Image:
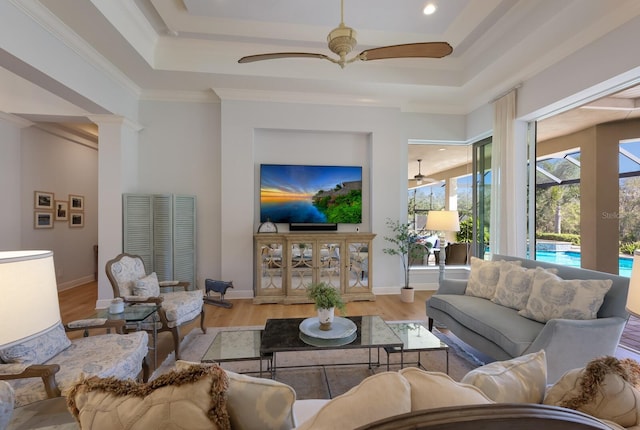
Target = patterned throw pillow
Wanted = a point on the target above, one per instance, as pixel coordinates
(147, 286)
(484, 276)
(192, 398)
(553, 297)
(514, 286)
(519, 380)
(39, 349)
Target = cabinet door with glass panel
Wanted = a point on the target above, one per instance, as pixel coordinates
(359, 274)
(302, 256)
(270, 269)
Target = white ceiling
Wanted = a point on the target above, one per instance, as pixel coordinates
(183, 46)
(173, 49)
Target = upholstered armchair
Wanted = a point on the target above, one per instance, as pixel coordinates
(47, 365)
(130, 282)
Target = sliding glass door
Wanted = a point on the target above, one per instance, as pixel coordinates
(481, 196)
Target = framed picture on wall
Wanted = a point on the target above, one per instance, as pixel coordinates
(42, 219)
(43, 200)
(62, 210)
(76, 202)
(76, 219)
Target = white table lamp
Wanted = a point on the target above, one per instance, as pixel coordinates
(29, 294)
(441, 222)
(633, 296)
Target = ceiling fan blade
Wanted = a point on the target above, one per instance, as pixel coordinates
(277, 55)
(421, 50)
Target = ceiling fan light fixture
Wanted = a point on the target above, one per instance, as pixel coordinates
(342, 40)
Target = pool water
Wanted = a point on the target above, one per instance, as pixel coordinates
(572, 258)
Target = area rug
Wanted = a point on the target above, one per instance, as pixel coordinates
(320, 378)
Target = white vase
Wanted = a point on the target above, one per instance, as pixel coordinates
(406, 295)
(325, 316)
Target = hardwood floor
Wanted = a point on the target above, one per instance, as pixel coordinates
(79, 302)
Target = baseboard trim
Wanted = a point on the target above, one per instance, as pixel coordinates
(76, 282)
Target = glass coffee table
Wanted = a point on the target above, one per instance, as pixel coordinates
(235, 345)
(283, 335)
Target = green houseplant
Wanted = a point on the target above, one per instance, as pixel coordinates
(326, 298)
(404, 243)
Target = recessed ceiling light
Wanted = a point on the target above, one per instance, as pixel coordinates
(429, 9)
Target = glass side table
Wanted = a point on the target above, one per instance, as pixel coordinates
(416, 337)
(135, 315)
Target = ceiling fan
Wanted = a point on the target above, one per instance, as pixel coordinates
(342, 40)
(420, 178)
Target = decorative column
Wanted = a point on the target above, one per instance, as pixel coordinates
(117, 174)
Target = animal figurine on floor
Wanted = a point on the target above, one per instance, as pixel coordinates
(219, 287)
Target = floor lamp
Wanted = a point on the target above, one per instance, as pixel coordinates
(442, 222)
(633, 296)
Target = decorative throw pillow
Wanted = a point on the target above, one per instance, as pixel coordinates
(436, 390)
(605, 388)
(272, 401)
(147, 286)
(379, 396)
(191, 398)
(514, 286)
(39, 349)
(519, 380)
(553, 297)
(484, 276)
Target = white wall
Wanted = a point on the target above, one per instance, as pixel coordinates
(53, 164)
(243, 125)
(10, 185)
(294, 146)
(179, 152)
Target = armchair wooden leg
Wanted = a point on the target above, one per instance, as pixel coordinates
(145, 370)
(176, 341)
(204, 330)
(50, 386)
(430, 324)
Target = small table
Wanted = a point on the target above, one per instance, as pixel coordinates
(283, 335)
(416, 337)
(136, 314)
(234, 345)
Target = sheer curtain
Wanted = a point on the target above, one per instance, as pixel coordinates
(508, 189)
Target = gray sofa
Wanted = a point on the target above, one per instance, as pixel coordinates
(501, 333)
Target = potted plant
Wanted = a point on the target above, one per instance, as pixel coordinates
(404, 243)
(326, 299)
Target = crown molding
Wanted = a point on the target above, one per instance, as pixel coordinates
(208, 96)
(15, 120)
(67, 135)
(302, 97)
(115, 119)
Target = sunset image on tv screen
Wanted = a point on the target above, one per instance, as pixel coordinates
(310, 194)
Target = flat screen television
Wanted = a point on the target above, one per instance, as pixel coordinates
(307, 194)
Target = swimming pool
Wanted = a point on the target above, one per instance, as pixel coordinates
(572, 258)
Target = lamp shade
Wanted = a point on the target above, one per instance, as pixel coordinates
(443, 221)
(633, 296)
(29, 293)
